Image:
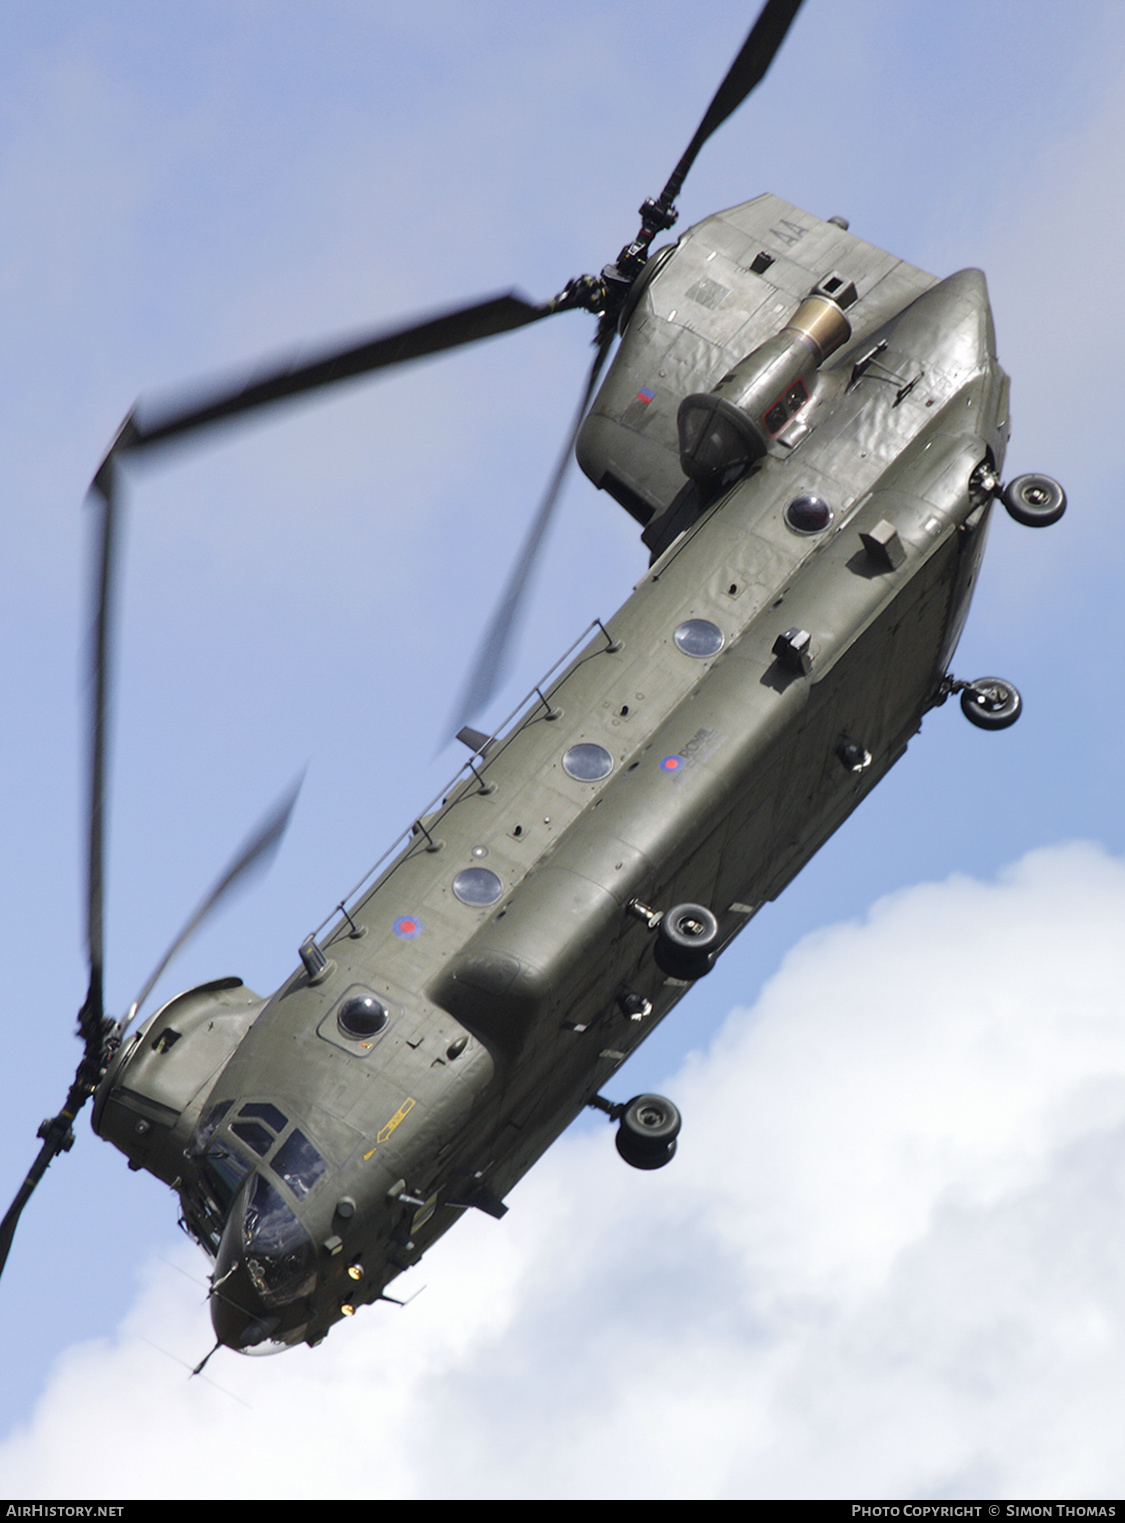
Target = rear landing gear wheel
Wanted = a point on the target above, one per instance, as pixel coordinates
(1034, 500)
(647, 1132)
(687, 939)
(991, 703)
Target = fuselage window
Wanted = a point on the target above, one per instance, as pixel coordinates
(699, 638)
(587, 763)
(808, 514)
(361, 1017)
(477, 886)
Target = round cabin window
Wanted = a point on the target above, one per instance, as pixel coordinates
(587, 763)
(477, 886)
(361, 1017)
(699, 637)
(808, 514)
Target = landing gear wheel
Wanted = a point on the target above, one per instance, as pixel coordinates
(991, 703)
(1034, 500)
(647, 1132)
(686, 942)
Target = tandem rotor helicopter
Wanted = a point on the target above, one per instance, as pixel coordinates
(810, 435)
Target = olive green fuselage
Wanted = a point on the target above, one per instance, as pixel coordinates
(727, 770)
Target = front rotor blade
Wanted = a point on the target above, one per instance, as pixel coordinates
(56, 1133)
(485, 675)
(11, 1218)
(255, 854)
(747, 70)
(104, 497)
(449, 330)
(58, 1138)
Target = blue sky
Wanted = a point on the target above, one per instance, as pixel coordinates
(187, 191)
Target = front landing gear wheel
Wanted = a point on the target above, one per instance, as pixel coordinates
(991, 703)
(647, 1132)
(1034, 500)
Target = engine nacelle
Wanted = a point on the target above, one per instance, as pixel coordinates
(731, 426)
(150, 1100)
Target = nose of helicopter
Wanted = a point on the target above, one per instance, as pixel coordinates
(265, 1271)
(237, 1323)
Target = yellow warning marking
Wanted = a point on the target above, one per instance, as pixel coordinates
(399, 1115)
(385, 1132)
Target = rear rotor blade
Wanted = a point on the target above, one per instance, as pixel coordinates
(485, 674)
(254, 855)
(449, 330)
(748, 69)
(754, 58)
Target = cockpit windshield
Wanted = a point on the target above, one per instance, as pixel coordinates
(277, 1251)
(211, 1187)
(275, 1248)
(224, 1170)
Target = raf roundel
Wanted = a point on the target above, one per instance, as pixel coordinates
(408, 927)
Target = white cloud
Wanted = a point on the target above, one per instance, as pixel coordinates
(886, 1261)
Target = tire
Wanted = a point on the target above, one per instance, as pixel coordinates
(991, 703)
(638, 1158)
(1034, 500)
(686, 942)
(647, 1132)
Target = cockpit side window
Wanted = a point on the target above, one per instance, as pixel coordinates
(260, 1110)
(254, 1134)
(209, 1190)
(299, 1164)
(207, 1129)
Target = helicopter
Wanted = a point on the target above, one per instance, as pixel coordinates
(824, 326)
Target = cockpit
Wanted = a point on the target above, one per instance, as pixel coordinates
(241, 1201)
(263, 1230)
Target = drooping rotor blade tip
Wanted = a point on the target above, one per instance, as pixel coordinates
(487, 669)
(255, 855)
(124, 439)
(261, 846)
